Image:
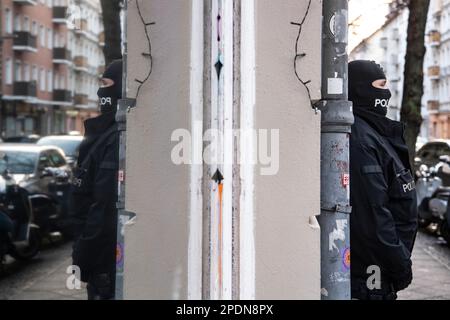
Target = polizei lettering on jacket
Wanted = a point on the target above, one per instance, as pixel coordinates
(408, 187)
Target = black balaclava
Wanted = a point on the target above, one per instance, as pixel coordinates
(365, 97)
(109, 96)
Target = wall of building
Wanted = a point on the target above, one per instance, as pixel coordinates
(270, 240)
(158, 191)
(287, 268)
(42, 113)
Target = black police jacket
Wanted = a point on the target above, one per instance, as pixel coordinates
(94, 196)
(384, 219)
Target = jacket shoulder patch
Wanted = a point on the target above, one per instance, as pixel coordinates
(109, 165)
(371, 169)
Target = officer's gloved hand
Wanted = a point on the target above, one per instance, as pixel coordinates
(101, 287)
(404, 282)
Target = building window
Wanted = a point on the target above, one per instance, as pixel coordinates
(55, 82)
(8, 71)
(50, 81)
(42, 80)
(34, 74)
(62, 84)
(70, 86)
(26, 24)
(17, 26)
(18, 72)
(50, 38)
(62, 40)
(34, 28)
(42, 35)
(26, 71)
(56, 40)
(8, 21)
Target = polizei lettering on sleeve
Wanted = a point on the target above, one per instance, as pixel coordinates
(408, 187)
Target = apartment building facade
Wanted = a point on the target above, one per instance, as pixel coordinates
(437, 69)
(388, 46)
(51, 54)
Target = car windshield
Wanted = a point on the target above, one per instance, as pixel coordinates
(433, 151)
(69, 146)
(18, 162)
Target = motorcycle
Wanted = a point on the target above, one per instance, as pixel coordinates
(19, 236)
(433, 196)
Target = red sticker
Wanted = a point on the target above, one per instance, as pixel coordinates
(345, 180)
(121, 176)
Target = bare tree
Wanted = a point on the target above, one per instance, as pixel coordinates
(113, 31)
(413, 75)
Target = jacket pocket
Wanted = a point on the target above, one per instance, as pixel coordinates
(81, 181)
(403, 185)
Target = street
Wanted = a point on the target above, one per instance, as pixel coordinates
(44, 278)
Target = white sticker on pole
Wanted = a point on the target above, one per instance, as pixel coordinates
(335, 86)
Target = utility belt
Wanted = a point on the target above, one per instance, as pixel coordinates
(360, 291)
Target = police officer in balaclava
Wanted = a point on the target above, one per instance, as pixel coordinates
(94, 192)
(384, 218)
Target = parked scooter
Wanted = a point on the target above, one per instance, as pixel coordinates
(19, 236)
(433, 196)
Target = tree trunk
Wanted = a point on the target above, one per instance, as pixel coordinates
(113, 31)
(413, 77)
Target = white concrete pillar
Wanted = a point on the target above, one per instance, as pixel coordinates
(224, 64)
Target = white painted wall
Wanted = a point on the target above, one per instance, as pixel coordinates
(279, 243)
(156, 251)
(287, 247)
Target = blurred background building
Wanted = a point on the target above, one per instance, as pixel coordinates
(387, 45)
(51, 58)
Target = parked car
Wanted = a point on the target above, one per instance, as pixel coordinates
(70, 144)
(431, 152)
(42, 170)
(32, 138)
(421, 141)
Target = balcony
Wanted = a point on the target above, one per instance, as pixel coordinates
(384, 43)
(433, 105)
(101, 39)
(59, 14)
(62, 95)
(437, 8)
(81, 63)
(26, 2)
(62, 56)
(24, 41)
(434, 72)
(395, 60)
(100, 70)
(434, 38)
(396, 34)
(81, 26)
(81, 100)
(25, 88)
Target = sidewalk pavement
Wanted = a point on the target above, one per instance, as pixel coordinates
(46, 280)
(431, 270)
